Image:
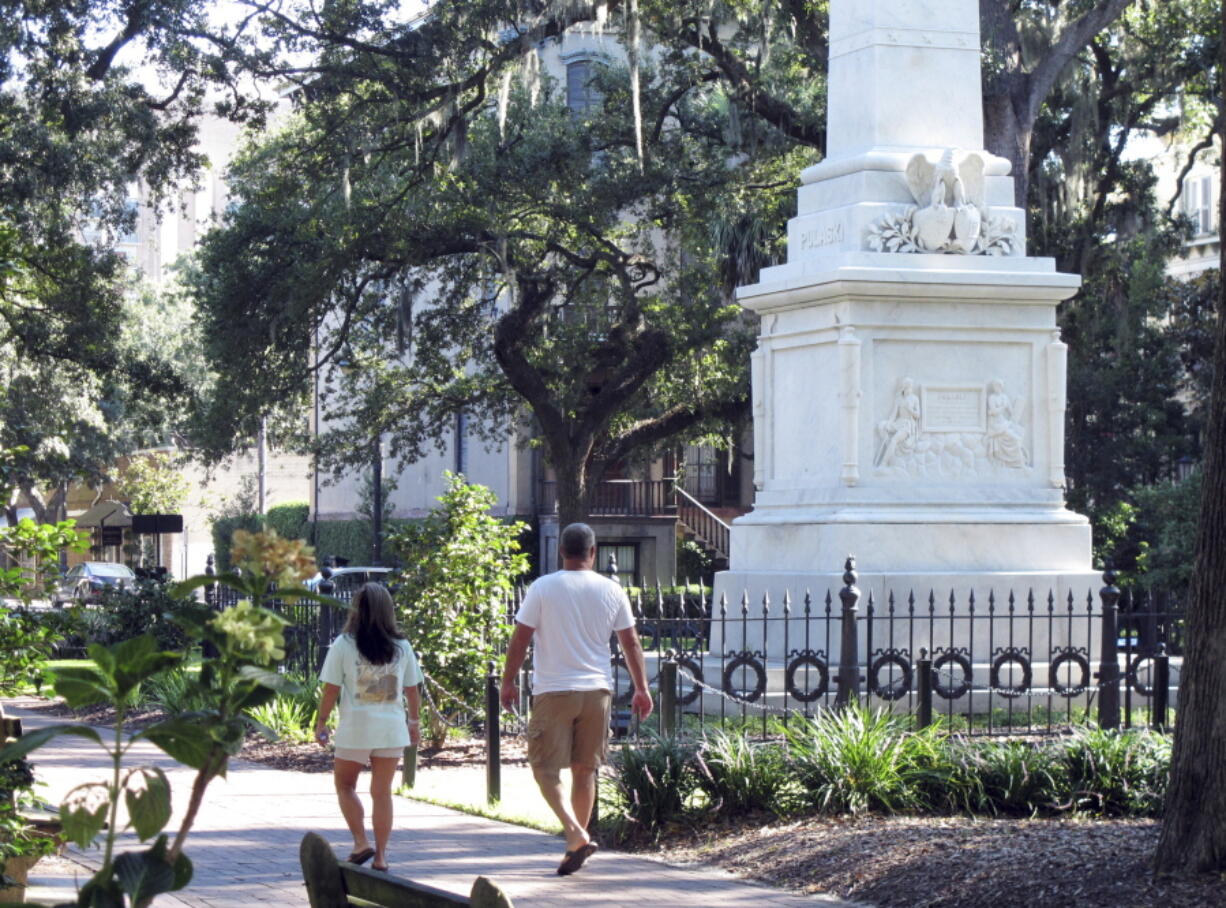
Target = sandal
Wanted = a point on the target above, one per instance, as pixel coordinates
(383, 869)
(573, 860)
(361, 857)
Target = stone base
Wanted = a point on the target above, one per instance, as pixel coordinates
(914, 541)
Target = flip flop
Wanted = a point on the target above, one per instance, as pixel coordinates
(361, 857)
(573, 860)
(383, 869)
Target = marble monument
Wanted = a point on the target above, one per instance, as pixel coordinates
(909, 379)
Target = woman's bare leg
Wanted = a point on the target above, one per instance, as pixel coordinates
(382, 773)
(345, 775)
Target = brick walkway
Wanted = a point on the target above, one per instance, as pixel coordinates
(245, 844)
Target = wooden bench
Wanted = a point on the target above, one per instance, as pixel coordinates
(338, 884)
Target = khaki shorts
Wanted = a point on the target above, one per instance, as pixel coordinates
(568, 727)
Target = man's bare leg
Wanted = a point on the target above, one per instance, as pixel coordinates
(582, 792)
(554, 794)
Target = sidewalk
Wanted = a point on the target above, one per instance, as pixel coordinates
(245, 843)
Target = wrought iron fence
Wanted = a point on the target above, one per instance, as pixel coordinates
(980, 662)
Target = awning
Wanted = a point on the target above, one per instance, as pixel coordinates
(106, 514)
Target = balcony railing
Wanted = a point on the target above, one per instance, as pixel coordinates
(621, 498)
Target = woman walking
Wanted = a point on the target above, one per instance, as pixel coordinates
(368, 667)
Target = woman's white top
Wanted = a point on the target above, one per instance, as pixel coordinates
(372, 696)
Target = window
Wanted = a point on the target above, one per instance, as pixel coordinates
(581, 94)
(627, 557)
(700, 478)
(1198, 203)
(461, 443)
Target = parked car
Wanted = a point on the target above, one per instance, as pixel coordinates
(85, 582)
(348, 579)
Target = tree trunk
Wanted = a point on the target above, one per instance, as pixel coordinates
(1193, 834)
(1007, 136)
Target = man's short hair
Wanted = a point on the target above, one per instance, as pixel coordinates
(577, 540)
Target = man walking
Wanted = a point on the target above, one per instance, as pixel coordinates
(572, 613)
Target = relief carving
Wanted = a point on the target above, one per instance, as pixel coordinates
(950, 431)
(950, 214)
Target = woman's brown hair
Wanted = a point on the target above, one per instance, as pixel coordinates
(372, 624)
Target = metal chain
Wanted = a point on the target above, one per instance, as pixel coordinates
(450, 696)
(783, 711)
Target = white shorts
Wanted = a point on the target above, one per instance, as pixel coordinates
(363, 754)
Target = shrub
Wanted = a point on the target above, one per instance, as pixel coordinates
(740, 776)
(694, 563)
(652, 785)
(223, 530)
(290, 520)
(28, 642)
(148, 606)
(461, 564)
(1118, 773)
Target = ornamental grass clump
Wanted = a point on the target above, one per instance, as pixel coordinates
(1118, 773)
(653, 782)
(854, 761)
(741, 776)
(1019, 778)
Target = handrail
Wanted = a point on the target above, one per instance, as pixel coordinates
(694, 502)
(705, 523)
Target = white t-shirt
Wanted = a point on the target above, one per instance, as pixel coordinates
(372, 696)
(573, 614)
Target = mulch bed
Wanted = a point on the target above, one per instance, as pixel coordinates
(951, 862)
(888, 862)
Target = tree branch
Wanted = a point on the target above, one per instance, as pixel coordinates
(1067, 45)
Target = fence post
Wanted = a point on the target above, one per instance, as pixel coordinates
(1109, 663)
(923, 677)
(210, 591)
(668, 694)
(207, 649)
(1162, 686)
(408, 773)
(493, 739)
(849, 652)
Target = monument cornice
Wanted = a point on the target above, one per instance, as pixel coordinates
(820, 283)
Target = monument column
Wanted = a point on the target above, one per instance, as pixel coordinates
(909, 380)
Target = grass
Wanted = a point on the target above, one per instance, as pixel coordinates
(464, 790)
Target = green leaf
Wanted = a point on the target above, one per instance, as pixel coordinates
(183, 872)
(32, 740)
(186, 738)
(143, 874)
(100, 892)
(275, 680)
(84, 685)
(254, 696)
(148, 801)
(103, 658)
(83, 813)
(139, 659)
(191, 584)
